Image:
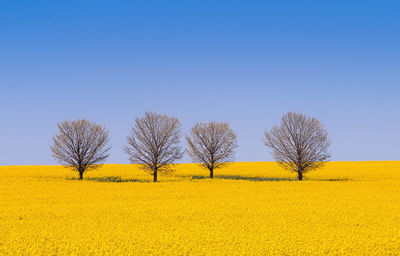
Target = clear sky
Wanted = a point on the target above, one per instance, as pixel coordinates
(243, 62)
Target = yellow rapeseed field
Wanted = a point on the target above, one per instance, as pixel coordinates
(345, 208)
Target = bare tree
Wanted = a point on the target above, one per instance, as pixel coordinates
(299, 144)
(154, 143)
(80, 145)
(212, 145)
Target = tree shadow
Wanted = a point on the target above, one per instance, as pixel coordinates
(235, 177)
(118, 179)
(115, 179)
(337, 179)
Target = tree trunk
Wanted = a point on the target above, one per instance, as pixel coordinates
(155, 175)
(81, 175)
(300, 175)
(211, 173)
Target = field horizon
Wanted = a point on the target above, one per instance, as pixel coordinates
(185, 170)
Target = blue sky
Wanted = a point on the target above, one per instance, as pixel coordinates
(243, 62)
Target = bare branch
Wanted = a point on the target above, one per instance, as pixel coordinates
(154, 143)
(80, 145)
(212, 145)
(299, 144)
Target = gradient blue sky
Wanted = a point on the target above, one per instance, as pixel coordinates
(244, 62)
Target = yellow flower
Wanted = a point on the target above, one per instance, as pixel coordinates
(345, 208)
